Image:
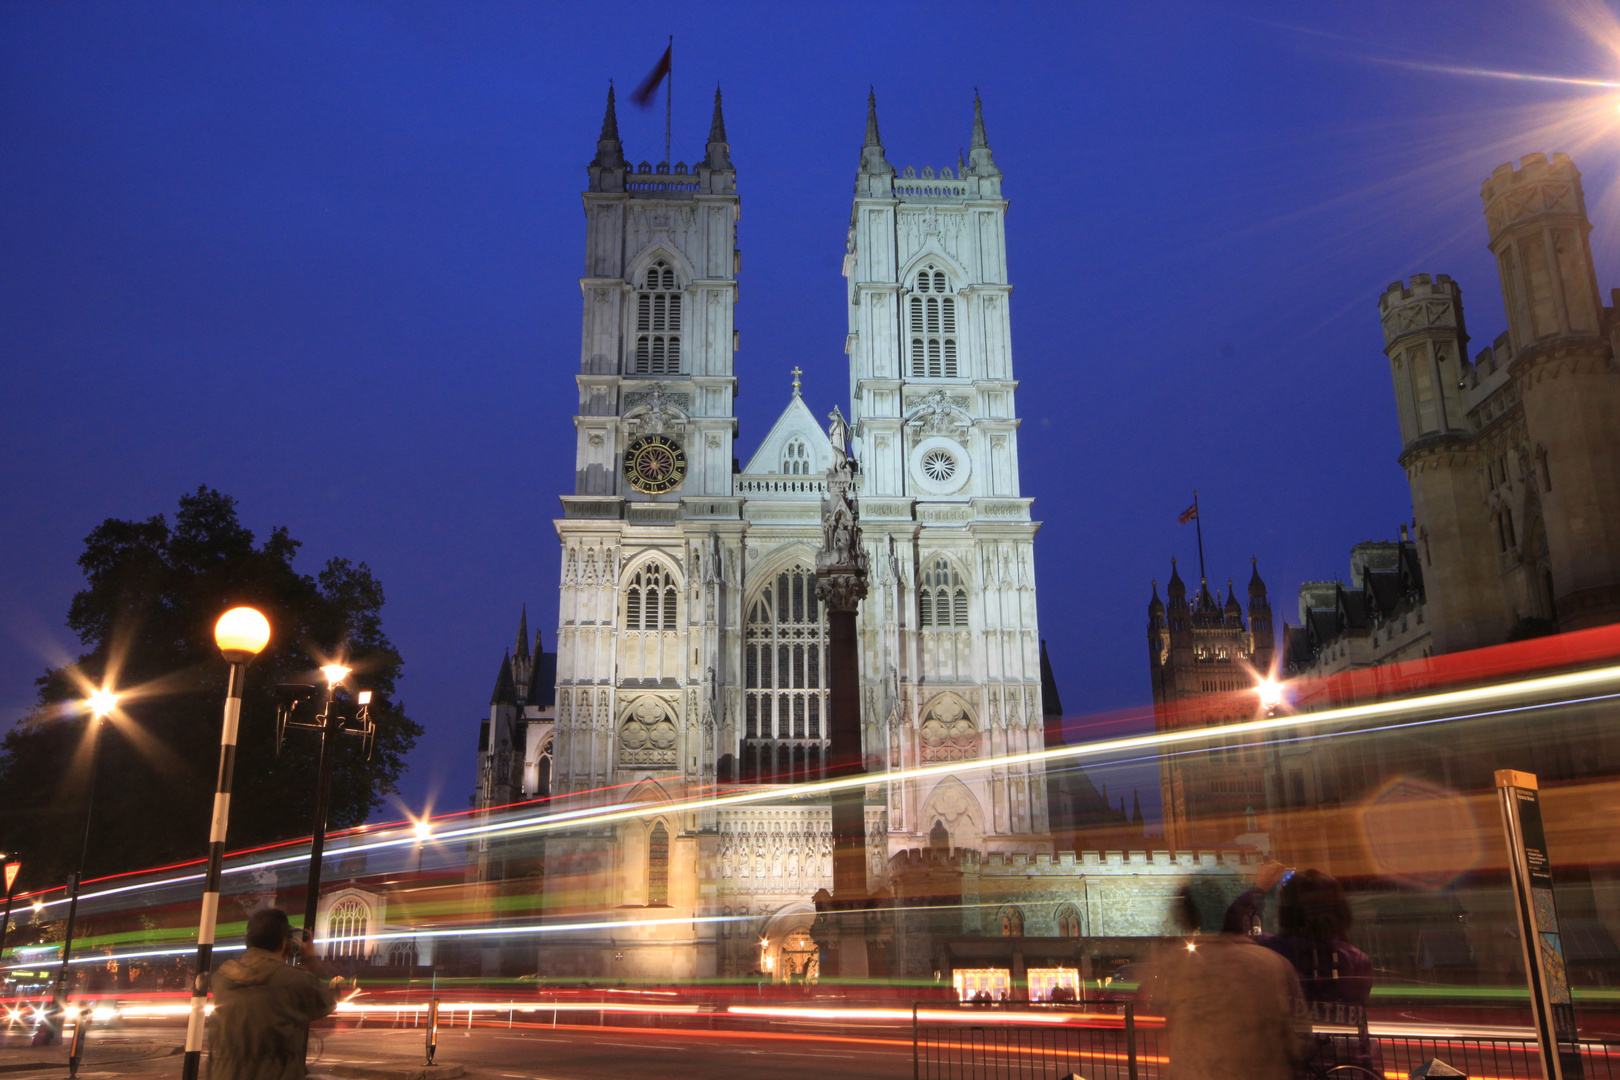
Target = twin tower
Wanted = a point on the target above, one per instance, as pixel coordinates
(1514, 458)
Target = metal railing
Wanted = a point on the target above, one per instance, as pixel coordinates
(972, 1042)
(967, 1042)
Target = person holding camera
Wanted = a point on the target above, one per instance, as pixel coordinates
(263, 1005)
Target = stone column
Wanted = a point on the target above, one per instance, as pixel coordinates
(841, 571)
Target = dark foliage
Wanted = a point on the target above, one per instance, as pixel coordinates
(153, 593)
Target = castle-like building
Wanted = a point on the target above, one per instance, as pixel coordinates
(691, 649)
(1512, 459)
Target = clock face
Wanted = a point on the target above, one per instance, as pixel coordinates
(655, 464)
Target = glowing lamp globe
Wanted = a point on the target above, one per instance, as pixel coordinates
(101, 703)
(334, 673)
(241, 634)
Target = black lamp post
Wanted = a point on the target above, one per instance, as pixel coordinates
(99, 705)
(329, 723)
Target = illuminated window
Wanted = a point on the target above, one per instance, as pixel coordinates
(346, 928)
(941, 597)
(1012, 922)
(796, 459)
(785, 680)
(651, 602)
(658, 323)
(932, 326)
(1068, 921)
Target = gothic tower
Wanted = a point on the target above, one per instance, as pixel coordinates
(951, 649)
(1564, 371)
(653, 480)
(1426, 342)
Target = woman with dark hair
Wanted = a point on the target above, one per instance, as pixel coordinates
(1314, 918)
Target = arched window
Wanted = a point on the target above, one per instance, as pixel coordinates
(796, 459)
(785, 679)
(651, 602)
(942, 599)
(658, 323)
(346, 928)
(1012, 922)
(401, 954)
(932, 326)
(658, 866)
(1068, 921)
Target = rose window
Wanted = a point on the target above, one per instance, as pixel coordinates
(939, 465)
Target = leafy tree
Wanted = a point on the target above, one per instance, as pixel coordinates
(153, 592)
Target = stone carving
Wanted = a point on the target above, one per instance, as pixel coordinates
(948, 732)
(841, 564)
(647, 735)
(937, 413)
(657, 411)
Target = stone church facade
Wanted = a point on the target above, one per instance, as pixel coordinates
(691, 649)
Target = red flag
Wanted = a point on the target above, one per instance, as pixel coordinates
(649, 86)
(1188, 514)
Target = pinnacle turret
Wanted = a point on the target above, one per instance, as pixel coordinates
(873, 163)
(505, 689)
(1155, 605)
(719, 151)
(1257, 587)
(522, 651)
(980, 161)
(607, 168)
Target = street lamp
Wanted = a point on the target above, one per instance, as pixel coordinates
(11, 870)
(98, 704)
(423, 829)
(1271, 694)
(329, 723)
(241, 634)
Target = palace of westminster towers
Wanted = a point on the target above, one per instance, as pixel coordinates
(691, 650)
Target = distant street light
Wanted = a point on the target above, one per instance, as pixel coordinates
(241, 634)
(329, 723)
(11, 870)
(98, 704)
(1271, 694)
(423, 829)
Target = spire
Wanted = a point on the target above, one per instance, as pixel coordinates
(1231, 596)
(1257, 587)
(1136, 808)
(610, 121)
(717, 126)
(505, 689)
(980, 162)
(873, 163)
(522, 652)
(719, 151)
(1155, 605)
(609, 153)
(1175, 588)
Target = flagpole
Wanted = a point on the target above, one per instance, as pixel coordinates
(669, 100)
(1198, 519)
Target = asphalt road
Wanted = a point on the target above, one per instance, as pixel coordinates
(586, 1053)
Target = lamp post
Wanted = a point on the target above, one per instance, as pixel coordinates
(99, 704)
(241, 634)
(329, 723)
(423, 830)
(11, 870)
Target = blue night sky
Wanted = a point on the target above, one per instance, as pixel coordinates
(324, 258)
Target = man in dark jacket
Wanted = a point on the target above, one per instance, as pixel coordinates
(263, 1006)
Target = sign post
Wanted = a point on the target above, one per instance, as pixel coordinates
(1552, 1009)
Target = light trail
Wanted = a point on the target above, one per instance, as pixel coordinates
(564, 819)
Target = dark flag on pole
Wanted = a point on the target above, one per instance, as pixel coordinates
(1188, 514)
(643, 95)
